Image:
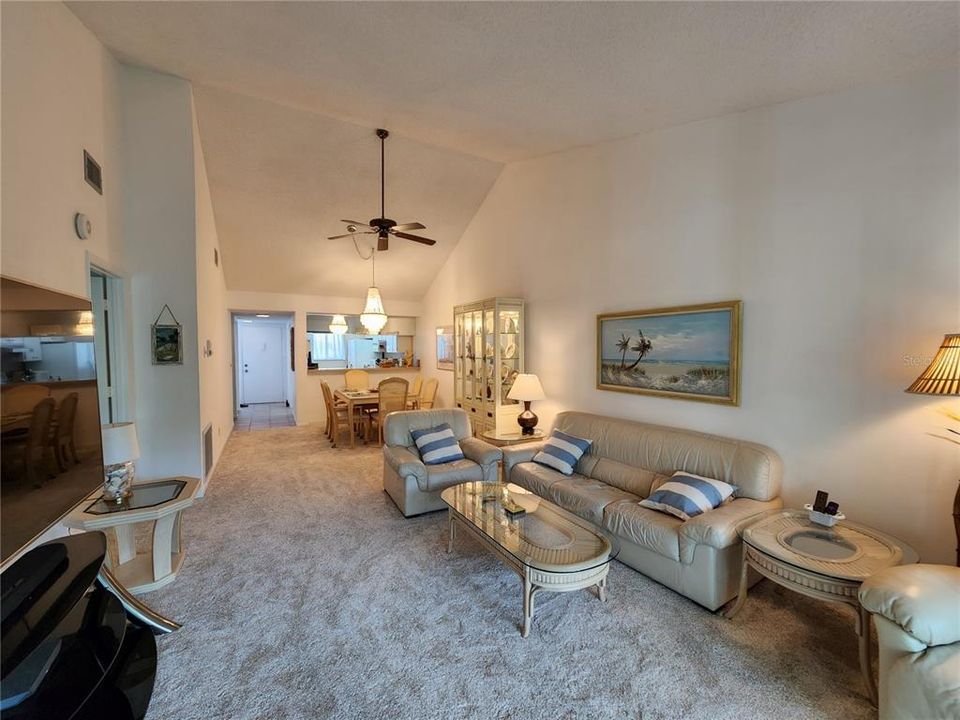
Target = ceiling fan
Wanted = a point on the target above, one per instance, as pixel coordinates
(383, 227)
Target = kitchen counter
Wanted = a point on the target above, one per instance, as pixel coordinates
(372, 371)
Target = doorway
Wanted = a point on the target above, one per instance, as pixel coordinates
(262, 359)
(106, 297)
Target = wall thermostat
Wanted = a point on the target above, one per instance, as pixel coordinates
(83, 226)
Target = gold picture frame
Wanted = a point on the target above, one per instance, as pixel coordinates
(688, 352)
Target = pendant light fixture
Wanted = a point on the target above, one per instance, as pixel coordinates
(373, 317)
(338, 325)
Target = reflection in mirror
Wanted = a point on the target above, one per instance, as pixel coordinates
(51, 452)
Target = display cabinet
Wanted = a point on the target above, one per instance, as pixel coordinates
(488, 355)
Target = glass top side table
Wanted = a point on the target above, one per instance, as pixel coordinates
(829, 564)
(161, 502)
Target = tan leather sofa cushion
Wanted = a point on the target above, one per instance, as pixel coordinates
(754, 469)
(650, 529)
(452, 473)
(635, 480)
(586, 497)
(719, 527)
(535, 478)
(922, 599)
(397, 425)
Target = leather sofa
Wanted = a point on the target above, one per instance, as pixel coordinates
(916, 609)
(699, 558)
(414, 486)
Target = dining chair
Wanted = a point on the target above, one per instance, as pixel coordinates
(32, 444)
(356, 380)
(413, 399)
(429, 394)
(391, 397)
(61, 432)
(337, 418)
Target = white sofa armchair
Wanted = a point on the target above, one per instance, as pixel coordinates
(916, 609)
(414, 486)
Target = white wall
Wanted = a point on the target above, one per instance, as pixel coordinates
(60, 95)
(213, 317)
(308, 402)
(159, 224)
(835, 220)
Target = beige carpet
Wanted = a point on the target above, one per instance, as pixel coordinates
(305, 594)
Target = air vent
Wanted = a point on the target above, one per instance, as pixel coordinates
(92, 173)
(207, 450)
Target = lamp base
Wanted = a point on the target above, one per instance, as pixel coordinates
(527, 420)
(118, 481)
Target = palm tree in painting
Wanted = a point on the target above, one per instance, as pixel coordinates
(623, 344)
(642, 346)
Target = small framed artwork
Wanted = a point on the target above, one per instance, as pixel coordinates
(166, 340)
(445, 347)
(690, 352)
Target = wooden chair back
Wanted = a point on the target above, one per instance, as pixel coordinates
(66, 416)
(392, 394)
(429, 394)
(417, 385)
(357, 380)
(39, 433)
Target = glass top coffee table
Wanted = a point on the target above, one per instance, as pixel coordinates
(786, 547)
(548, 547)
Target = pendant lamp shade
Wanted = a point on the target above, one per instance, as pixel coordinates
(373, 316)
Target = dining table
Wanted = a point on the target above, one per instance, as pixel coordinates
(15, 421)
(356, 400)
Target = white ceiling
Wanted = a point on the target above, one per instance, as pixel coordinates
(508, 81)
(288, 95)
(281, 179)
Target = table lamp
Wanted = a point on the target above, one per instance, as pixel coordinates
(120, 449)
(526, 387)
(942, 377)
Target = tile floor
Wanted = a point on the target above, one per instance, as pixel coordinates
(263, 416)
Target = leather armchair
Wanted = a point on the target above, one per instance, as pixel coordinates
(916, 609)
(414, 486)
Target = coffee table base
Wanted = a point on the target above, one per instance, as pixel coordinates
(533, 580)
(815, 586)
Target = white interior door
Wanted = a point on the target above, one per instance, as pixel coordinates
(261, 363)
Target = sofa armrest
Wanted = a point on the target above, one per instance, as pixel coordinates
(921, 599)
(719, 528)
(405, 463)
(514, 455)
(482, 453)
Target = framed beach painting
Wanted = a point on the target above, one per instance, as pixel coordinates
(445, 347)
(690, 352)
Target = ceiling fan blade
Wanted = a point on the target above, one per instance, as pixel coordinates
(383, 242)
(339, 237)
(410, 226)
(357, 223)
(415, 238)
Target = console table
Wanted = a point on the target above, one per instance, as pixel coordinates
(158, 501)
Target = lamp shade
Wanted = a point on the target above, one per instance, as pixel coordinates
(373, 317)
(526, 387)
(338, 325)
(120, 443)
(942, 376)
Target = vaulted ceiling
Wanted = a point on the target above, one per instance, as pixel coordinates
(288, 94)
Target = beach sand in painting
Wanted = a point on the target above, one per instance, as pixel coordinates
(687, 377)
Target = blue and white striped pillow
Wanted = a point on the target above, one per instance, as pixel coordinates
(561, 451)
(686, 495)
(437, 445)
